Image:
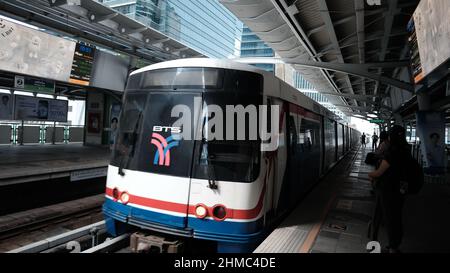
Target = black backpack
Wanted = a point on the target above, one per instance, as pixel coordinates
(413, 177)
(371, 159)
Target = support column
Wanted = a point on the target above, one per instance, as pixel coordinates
(424, 102)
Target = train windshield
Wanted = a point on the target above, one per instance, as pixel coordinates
(198, 78)
(148, 141)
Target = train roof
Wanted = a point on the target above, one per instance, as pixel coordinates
(202, 62)
(230, 64)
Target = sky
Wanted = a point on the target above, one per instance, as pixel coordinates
(364, 126)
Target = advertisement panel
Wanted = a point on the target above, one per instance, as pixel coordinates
(431, 131)
(6, 107)
(40, 109)
(28, 51)
(431, 33)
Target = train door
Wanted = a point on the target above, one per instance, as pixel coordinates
(336, 141)
(311, 149)
(324, 147)
(330, 143)
(293, 167)
(340, 139)
(289, 192)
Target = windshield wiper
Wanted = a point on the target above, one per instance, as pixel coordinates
(133, 145)
(212, 181)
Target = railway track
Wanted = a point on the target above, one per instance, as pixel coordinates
(26, 227)
(94, 239)
(83, 240)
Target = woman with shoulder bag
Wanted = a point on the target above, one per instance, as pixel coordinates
(388, 176)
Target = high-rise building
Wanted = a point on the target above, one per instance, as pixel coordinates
(252, 46)
(204, 25)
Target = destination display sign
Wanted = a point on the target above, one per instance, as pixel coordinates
(82, 64)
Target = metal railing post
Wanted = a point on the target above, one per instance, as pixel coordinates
(21, 134)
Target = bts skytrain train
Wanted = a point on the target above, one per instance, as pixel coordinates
(227, 191)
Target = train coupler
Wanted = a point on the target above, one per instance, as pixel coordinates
(141, 243)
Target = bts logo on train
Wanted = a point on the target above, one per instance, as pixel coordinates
(167, 129)
(374, 2)
(164, 145)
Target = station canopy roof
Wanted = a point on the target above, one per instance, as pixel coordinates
(358, 48)
(90, 21)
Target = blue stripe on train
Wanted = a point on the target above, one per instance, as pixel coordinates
(237, 232)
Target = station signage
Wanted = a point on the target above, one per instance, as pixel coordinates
(34, 85)
(377, 121)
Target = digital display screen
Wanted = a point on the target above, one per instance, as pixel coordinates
(82, 64)
(416, 63)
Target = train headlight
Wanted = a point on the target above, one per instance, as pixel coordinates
(201, 211)
(125, 198)
(219, 212)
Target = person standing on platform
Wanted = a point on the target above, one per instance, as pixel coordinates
(374, 142)
(388, 177)
(377, 213)
(112, 137)
(363, 140)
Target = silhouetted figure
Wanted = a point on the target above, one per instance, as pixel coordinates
(374, 142)
(378, 213)
(363, 140)
(387, 178)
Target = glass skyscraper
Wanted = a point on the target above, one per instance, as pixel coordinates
(204, 25)
(252, 46)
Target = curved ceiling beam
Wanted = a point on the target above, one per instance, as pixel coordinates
(357, 70)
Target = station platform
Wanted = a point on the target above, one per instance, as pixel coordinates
(28, 163)
(335, 217)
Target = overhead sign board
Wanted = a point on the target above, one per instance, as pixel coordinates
(378, 121)
(24, 50)
(40, 109)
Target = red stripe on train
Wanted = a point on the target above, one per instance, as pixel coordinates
(183, 208)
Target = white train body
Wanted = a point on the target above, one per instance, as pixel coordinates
(234, 194)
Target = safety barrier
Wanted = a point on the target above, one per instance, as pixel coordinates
(32, 133)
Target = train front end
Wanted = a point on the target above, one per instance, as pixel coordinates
(169, 175)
